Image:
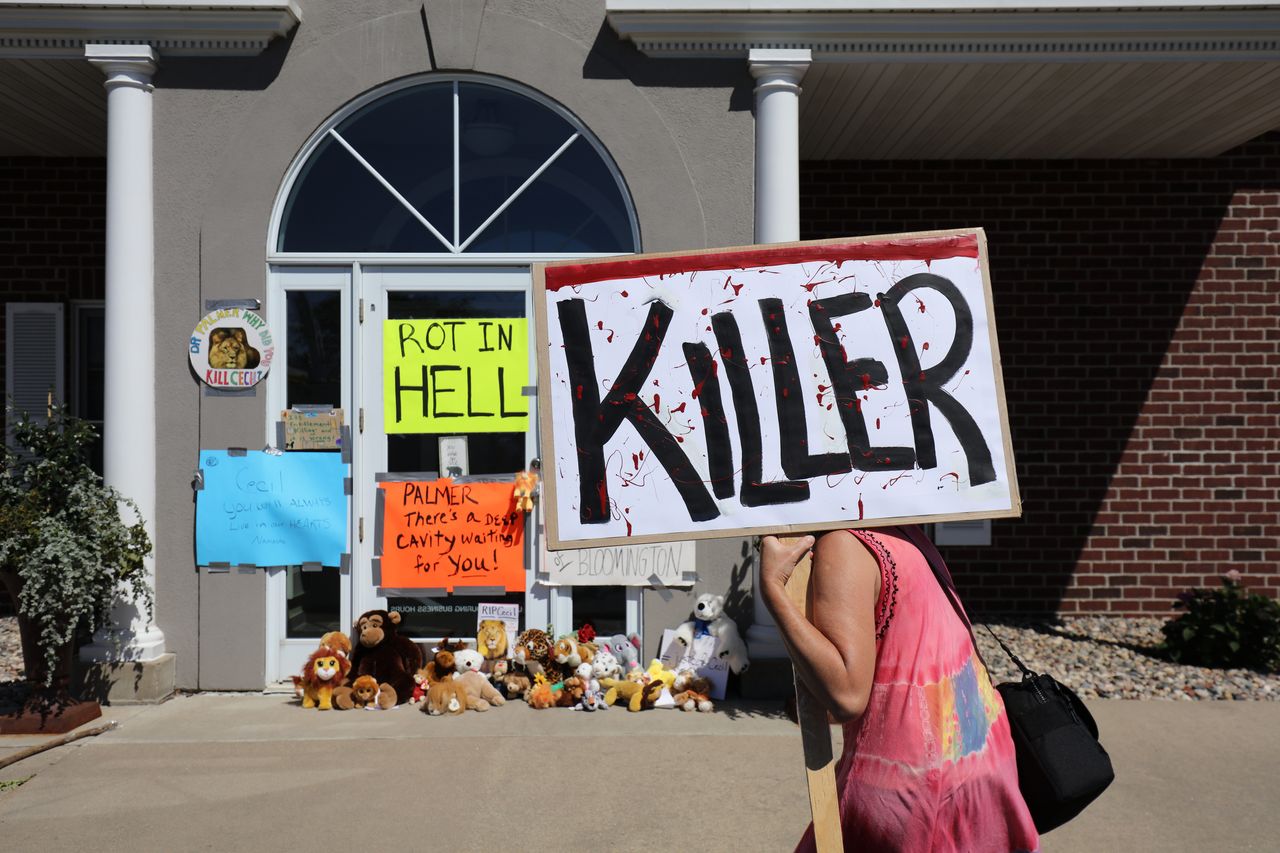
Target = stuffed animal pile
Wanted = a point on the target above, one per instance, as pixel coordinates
(580, 670)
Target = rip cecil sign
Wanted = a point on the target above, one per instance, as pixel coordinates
(771, 389)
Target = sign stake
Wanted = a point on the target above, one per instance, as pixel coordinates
(815, 731)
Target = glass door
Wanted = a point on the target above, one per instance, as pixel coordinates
(406, 422)
(312, 370)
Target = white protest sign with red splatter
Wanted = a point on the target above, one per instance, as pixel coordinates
(771, 389)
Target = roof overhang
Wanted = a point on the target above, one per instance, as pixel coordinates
(944, 79)
(59, 29)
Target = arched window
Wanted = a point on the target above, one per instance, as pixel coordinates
(452, 167)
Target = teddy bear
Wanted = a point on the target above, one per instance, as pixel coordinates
(380, 652)
(481, 695)
(420, 685)
(445, 697)
(506, 678)
(592, 697)
(468, 660)
(692, 692)
(709, 620)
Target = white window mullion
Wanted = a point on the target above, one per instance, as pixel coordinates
(457, 173)
(403, 201)
(515, 195)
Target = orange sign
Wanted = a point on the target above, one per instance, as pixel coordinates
(444, 535)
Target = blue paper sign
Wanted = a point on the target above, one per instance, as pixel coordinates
(267, 510)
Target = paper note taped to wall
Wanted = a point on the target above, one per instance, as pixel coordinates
(771, 389)
(455, 376)
(266, 509)
(440, 534)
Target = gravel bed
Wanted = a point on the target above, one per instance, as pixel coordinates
(1110, 657)
(1097, 656)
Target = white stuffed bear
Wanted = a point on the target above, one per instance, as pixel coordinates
(605, 665)
(709, 618)
(468, 660)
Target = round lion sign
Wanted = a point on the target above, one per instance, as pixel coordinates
(231, 348)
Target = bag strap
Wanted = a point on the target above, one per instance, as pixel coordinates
(943, 576)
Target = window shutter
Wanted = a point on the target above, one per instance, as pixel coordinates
(962, 532)
(33, 356)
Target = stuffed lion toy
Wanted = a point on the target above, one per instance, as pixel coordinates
(491, 639)
(324, 671)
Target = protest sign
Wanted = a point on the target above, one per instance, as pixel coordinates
(652, 564)
(440, 534)
(771, 389)
(455, 376)
(700, 657)
(507, 614)
(266, 509)
(231, 349)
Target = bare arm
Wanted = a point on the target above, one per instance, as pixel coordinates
(835, 653)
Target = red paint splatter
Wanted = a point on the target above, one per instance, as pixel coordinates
(603, 492)
(625, 294)
(877, 423)
(704, 311)
(877, 303)
(629, 396)
(763, 359)
(680, 408)
(579, 392)
(919, 303)
(950, 474)
(925, 346)
(902, 341)
(635, 461)
(860, 507)
(866, 381)
(657, 402)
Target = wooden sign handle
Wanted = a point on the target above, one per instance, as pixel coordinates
(815, 731)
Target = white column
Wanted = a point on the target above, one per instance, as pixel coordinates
(129, 427)
(778, 74)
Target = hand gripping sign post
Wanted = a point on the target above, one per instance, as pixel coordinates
(771, 389)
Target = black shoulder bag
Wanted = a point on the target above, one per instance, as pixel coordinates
(1061, 765)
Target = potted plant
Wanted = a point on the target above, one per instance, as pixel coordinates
(66, 548)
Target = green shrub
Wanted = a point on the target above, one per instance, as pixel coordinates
(68, 543)
(1227, 628)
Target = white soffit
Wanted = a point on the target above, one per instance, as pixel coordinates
(58, 29)
(960, 80)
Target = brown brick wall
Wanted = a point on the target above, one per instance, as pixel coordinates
(52, 231)
(52, 238)
(1138, 310)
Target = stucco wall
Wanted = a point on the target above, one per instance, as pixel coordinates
(226, 131)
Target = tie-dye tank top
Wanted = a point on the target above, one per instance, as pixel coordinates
(930, 764)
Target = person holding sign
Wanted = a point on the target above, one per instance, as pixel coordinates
(928, 760)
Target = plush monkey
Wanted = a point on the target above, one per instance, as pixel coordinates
(382, 653)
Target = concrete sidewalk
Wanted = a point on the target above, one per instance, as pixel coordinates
(216, 772)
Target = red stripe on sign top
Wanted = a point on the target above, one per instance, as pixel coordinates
(910, 249)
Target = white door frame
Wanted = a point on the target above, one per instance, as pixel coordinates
(285, 656)
(373, 283)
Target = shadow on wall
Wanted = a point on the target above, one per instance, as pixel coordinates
(1093, 264)
(611, 58)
